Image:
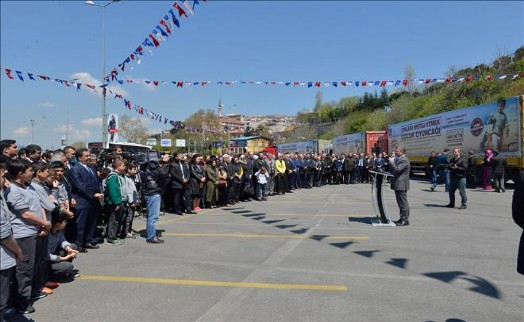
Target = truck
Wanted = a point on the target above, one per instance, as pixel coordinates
(356, 143)
(496, 125)
(313, 146)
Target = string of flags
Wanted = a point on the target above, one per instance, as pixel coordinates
(128, 104)
(362, 83)
(162, 31)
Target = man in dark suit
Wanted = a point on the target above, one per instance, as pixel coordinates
(87, 188)
(180, 185)
(400, 183)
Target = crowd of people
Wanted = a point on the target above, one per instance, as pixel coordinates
(59, 204)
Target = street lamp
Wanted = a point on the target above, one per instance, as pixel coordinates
(104, 91)
(32, 131)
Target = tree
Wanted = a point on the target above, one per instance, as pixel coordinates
(133, 129)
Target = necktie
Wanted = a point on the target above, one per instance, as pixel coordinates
(182, 170)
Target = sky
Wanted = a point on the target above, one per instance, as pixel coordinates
(252, 41)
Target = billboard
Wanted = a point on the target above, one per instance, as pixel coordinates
(112, 128)
(351, 143)
(300, 147)
(478, 128)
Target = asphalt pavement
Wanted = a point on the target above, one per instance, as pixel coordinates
(312, 255)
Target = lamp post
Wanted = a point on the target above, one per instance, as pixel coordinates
(32, 131)
(104, 91)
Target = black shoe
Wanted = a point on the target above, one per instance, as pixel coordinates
(91, 246)
(38, 295)
(82, 250)
(463, 207)
(155, 241)
(179, 213)
(28, 309)
(432, 189)
(402, 223)
(450, 206)
(191, 212)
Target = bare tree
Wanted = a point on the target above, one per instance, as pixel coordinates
(133, 129)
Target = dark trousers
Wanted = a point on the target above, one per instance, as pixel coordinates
(280, 183)
(40, 273)
(460, 184)
(520, 256)
(182, 198)
(86, 223)
(5, 281)
(498, 181)
(114, 222)
(62, 268)
(360, 174)
(21, 287)
(403, 205)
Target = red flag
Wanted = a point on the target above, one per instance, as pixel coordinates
(364, 83)
(155, 82)
(448, 80)
(489, 77)
(317, 84)
(383, 83)
(180, 10)
(405, 82)
(296, 83)
(469, 78)
(180, 84)
(8, 73)
(343, 83)
(41, 76)
(90, 86)
(428, 80)
(155, 42)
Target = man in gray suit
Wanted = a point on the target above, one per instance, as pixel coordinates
(401, 169)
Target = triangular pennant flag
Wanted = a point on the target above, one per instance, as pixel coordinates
(164, 34)
(8, 73)
(173, 16)
(163, 23)
(19, 74)
(31, 76)
(186, 4)
(159, 36)
(155, 42)
(180, 10)
(195, 2)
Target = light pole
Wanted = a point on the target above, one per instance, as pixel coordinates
(32, 131)
(104, 91)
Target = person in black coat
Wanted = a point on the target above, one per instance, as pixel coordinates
(458, 167)
(180, 176)
(497, 167)
(518, 217)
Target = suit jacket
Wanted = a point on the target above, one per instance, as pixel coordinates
(401, 171)
(177, 177)
(85, 184)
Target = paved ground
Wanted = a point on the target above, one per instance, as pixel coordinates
(308, 256)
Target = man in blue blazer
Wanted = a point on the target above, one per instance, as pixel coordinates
(87, 189)
(401, 169)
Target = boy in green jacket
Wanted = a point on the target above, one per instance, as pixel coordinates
(115, 197)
